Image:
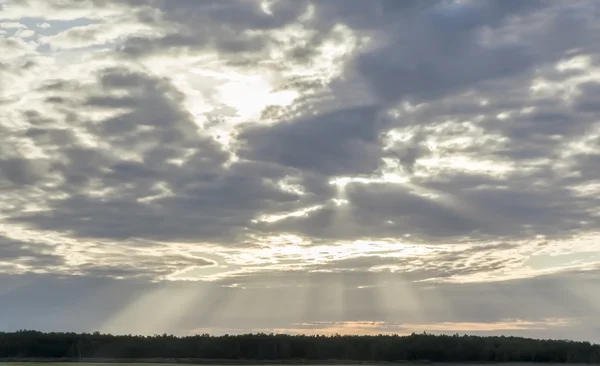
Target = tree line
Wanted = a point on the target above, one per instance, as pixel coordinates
(379, 348)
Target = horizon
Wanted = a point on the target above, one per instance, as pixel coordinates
(308, 335)
(300, 166)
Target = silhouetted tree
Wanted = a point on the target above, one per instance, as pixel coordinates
(282, 347)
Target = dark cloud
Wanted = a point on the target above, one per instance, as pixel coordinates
(216, 206)
(589, 98)
(222, 26)
(28, 253)
(146, 268)
(382, 210)
(206, 198)
(460, 211)
(23, 171)
(438, 49)
(345, 142)
(444, 53)
(150, 124)
(408, 152)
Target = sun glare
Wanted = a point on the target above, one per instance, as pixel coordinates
(250, 95)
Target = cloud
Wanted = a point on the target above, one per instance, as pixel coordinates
(378, 328)
(222, 27)
(95, 34)
(153, 142)
(441, 56)
(28, 254)
(344, 142)
(23, 171)
(335, 157)
(12, 25)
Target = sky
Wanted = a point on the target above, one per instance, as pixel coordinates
(296, 166)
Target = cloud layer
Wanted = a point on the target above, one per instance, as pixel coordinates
(379, 167)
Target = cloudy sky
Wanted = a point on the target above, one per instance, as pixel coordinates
(353, 166)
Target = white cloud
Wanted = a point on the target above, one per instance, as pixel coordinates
(12, 25)
(96, 34)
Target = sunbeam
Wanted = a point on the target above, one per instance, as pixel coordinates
(167, 304)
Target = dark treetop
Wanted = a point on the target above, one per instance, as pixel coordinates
(390, 348)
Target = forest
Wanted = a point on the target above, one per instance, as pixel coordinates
(26, 344)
